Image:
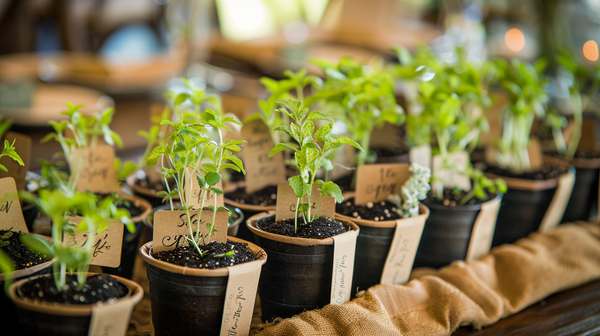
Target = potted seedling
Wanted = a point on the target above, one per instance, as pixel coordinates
(449, 122)
(71, 301)
(538, 192)
(201, 281)
(577, 85)
(257, 191)
(361, 97)
(87, 145)
(391, 221)
(312, 252)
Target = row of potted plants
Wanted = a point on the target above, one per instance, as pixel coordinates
(325, 240)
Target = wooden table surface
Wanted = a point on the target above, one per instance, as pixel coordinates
(571, 312)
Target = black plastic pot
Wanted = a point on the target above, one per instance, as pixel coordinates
(51, 319)
(296, 278)
(446, 234)
(584, 198)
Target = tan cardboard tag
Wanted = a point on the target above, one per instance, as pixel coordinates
(557, 206)
(344, 247)
(171, 227)
(191, 190)
(344, 161)
(399, 262)
(421, 155)
(494, 119)
(111, 318)
(375, 182)
(11, 215)
(106, 246)
(15, 170)
(536, 158)
(449, 177)
(261, 171)
(483, 230)
(97, 169)
(240, 295)
(589, 136)
(287, 201)
(385, 137)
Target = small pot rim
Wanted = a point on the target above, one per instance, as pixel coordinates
(531, 185)
(591, 163)
(26, 272)
(202, 272)
(131, 182)
(251, 224)
(53, 308)
(423, 212)
(139, 202)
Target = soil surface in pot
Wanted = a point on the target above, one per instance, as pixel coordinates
(126, 204)
(452, 198)
(547, 172)
(157, 186)
(378, 211)
(320, 228)
(215, 256)
(97, 288)
(388, 152)
(264, 197)
(22, 257)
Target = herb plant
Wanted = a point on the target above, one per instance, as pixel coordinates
(184, 152)
(309, 154)
(413, 191)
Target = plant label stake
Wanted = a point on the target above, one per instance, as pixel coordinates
(385, 137)
(451, 177)
(111, 319)
(536, 158)
(22, 145)
(483, 230)
(191, 190)
(287, 201)
(376, 182)
(344, 248)
(171, 230)
(421, 155)
(399, 262)
(97, 168)
(106, 245)
(261, 170)
(240, 295)
(11, 215)
(557, 206)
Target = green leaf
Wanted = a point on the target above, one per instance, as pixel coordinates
(157, 152)
(212, 178)
(329, 188)
(281, 147)
(348, 141)
(299, 187)
(38, 245)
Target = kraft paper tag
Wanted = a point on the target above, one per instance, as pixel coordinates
(589, 140)
(399, 262)
(171, 227)
(344, 161)
(240, 295)
(421, 155)
(483, 230)
(557, 206)
(449, 177)
(287, 201)
(191, 190)
(111, 319)
(97, 169)
(106, 245)
(261, 170)
(536, 158)
(15, 170)
(387, 137)
(495, 120)
(375, 182)
(11, 215)
(344, 247)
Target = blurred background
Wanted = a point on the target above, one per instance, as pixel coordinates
(124, 54)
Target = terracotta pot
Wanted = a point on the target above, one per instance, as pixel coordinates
(188, 301)
(49, 318)
(299, 272)
(372, 247)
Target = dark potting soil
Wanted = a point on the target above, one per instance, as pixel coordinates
(320, 228)
(97, 288)
(214, 257)
(378, 211)
(547, 172)
(158, 185)
(263, 197)
(21, 256)
(388, 152)
(452, 198)
(345, 182)
(579, 154)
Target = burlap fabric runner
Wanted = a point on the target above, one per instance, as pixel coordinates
(477, 293)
